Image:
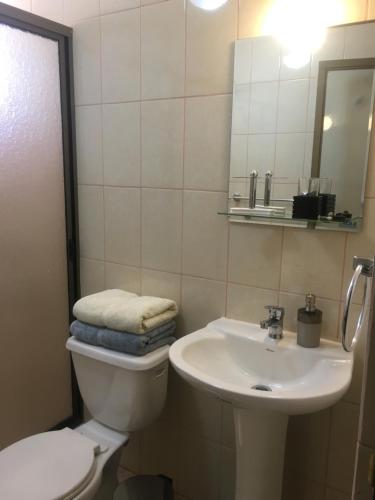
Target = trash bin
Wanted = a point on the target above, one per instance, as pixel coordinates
(145, 488)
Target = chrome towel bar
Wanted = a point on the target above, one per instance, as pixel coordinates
(362, 267)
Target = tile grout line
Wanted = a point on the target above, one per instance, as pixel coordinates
(342, 284)
(207, 191)
(160, 98)
(227, 268)
(283, 230)
(140, 156)
(183, 161)
(102, 143)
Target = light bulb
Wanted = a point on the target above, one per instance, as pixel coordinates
(208, 4)
(296, 60)
(327, 122)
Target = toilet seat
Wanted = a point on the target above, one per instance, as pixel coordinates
(53, 465)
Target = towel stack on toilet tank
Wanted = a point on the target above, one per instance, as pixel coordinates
(125, 322)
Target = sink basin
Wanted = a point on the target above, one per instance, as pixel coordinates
(265, 380)
(232, 359)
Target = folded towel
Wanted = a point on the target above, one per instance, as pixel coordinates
(139, 314)
(130, 343)
(90, 309)
(124, 311)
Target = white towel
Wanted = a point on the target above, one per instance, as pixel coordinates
(91, 309)
(139, 314)
(124, 311)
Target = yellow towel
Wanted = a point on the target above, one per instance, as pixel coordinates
(90, 309)
(140, 314)
(124, 311)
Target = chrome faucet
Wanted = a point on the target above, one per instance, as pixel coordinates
(274, 323)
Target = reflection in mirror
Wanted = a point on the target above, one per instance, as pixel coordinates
(343, 125)
(274, 130)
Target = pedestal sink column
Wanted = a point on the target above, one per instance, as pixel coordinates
(260, 448)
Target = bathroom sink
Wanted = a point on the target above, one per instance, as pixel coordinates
(265, 380)
(239, 363)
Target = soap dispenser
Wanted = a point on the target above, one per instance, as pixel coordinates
(309, 324)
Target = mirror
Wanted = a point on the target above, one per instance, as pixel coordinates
(301, 130)
(343, 124)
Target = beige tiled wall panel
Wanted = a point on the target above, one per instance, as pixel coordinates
(163, 49)
(209, 49)
(162, 143)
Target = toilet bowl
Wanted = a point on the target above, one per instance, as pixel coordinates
(123, 393)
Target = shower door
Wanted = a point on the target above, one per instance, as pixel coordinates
(38, 270)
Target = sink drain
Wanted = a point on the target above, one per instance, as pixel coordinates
(261, 387)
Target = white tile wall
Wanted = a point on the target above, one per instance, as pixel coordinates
(89, 144)
(108, 6)
(122, 144)
(121, 56)
(162, 143)
(261, 150)
(122, 225)
(290, 155)
(207, 138)
(86, 57)
(263, 107)
(46, 8)
(241, 108)
(75, 11)
(163, 49)
(239, 156)
(209, 49)
(91, 222)
(204, 250)
(291, 73)
(124, 277)
(242, 61)
(265, 59)
(333, 48)
(293, 118)
(359, 41)
(161, 229)
(20, 4)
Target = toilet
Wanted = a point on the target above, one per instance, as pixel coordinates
(123, 393)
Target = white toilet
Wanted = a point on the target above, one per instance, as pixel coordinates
(123, 393)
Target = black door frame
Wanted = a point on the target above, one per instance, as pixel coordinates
(26, 21)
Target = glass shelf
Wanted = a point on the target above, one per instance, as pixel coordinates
(353, 224)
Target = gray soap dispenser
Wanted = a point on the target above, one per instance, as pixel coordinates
(309, 324)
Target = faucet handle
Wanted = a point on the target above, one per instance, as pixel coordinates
(276, 312)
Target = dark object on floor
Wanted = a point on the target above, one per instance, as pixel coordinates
(145, 488)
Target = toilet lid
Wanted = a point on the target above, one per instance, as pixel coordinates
(48, 466)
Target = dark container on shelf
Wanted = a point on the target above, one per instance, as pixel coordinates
(327, 204)
(306, 206)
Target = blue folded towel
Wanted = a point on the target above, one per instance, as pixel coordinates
(130, 343)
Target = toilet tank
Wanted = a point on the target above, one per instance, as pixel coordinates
(121, 391)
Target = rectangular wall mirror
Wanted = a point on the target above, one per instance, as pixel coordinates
(301, 128)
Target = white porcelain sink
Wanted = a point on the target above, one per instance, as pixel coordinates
(231, 359)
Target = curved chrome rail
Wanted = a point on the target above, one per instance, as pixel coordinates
(364, 267)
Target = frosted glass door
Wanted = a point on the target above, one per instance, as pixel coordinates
(35, 373)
